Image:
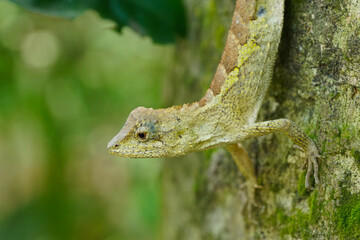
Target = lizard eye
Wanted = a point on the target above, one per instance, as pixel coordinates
(142, 134)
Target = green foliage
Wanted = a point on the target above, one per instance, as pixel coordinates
(66, 88)
(162, 20)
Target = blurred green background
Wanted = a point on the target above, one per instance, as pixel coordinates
(66, 88)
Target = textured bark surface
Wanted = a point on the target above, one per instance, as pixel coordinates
(316, 84)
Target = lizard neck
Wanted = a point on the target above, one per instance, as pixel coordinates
(204, 127)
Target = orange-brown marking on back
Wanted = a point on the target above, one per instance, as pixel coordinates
(207, 98)
(238, 35)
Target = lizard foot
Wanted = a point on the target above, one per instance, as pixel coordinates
(312, 156)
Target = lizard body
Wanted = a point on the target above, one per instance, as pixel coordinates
(226, 115)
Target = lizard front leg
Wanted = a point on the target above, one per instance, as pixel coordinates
(298, 136)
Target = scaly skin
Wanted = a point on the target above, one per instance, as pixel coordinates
(226, 115)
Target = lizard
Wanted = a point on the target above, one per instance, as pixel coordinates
(226, 115)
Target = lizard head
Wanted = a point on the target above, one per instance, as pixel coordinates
(148, 133)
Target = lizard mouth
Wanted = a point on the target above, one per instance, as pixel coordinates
(135, 154)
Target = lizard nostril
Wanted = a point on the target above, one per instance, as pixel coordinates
(116, 145)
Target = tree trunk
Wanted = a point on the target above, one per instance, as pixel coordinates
(316, 84)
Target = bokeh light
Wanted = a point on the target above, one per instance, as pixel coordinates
(39, 49)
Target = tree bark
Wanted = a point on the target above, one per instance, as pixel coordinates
(316, 84)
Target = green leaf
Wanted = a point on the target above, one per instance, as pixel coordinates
(162, 20)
